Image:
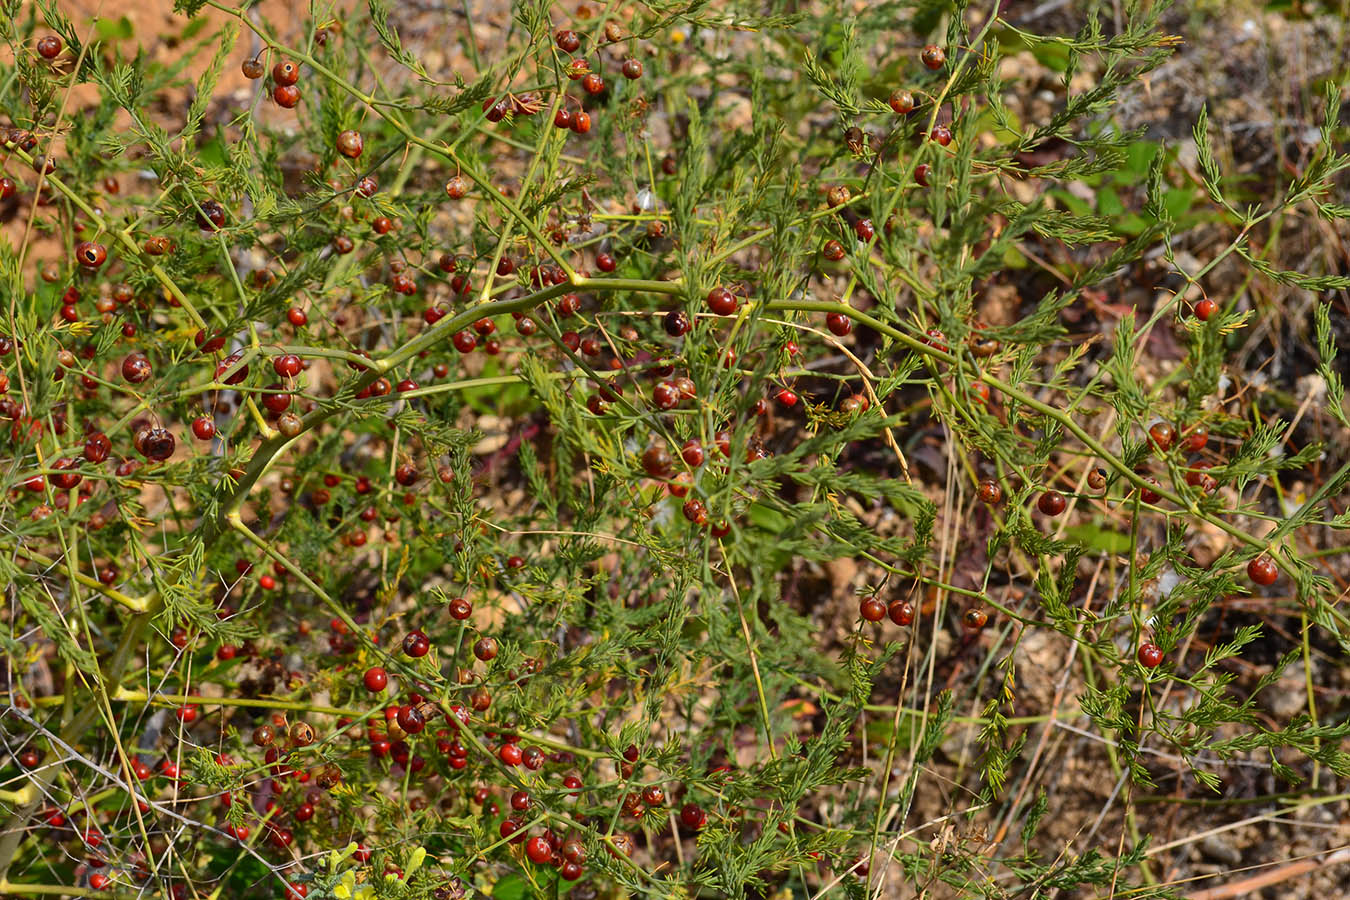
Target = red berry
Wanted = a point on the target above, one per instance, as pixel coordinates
(287, 366)
(511, 754)
(872, 609)
(901, 612)
(376, 679)
(228, 363)
(49, 46)
(838, 323)
(156, 444)
(721, 301)
(933, 56)
(286, 95)
(1149, 496)
(539, 850)
(136, 368)
(286, 72)
(568, 40)
(901, 101)
(676, 322)
(1150, 655)
(203, 428)
(90, 254)
(989, 492)
(416, 644)
(1205, 308)
(1051, 503)
(97, 447)
(693, 816)
(632, 68)
(350, 144)
(665, 395)
(411, 720)
(1162, 435)
(485, 649)
(692, 453)
(296, 317)
(1263, 570)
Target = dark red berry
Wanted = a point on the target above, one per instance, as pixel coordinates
(539, 850)
(287, 366)
(568, 40)
(286, 95)
(211, 216)
(416, 644)
(872, 608)
(285, 72)
(693, 816)
(411, 720)
(376, 679)
(350, 144)
(91, 255)
(676, 322)
(136, 368)
(1051, 503)
(1263, 570)
(485, 649)
(933, 56)
(901, 612)
(1162, 435)
(1150, 655)
(721, 301)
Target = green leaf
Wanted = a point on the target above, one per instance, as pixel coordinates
(1097, 537)
(114, 29)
